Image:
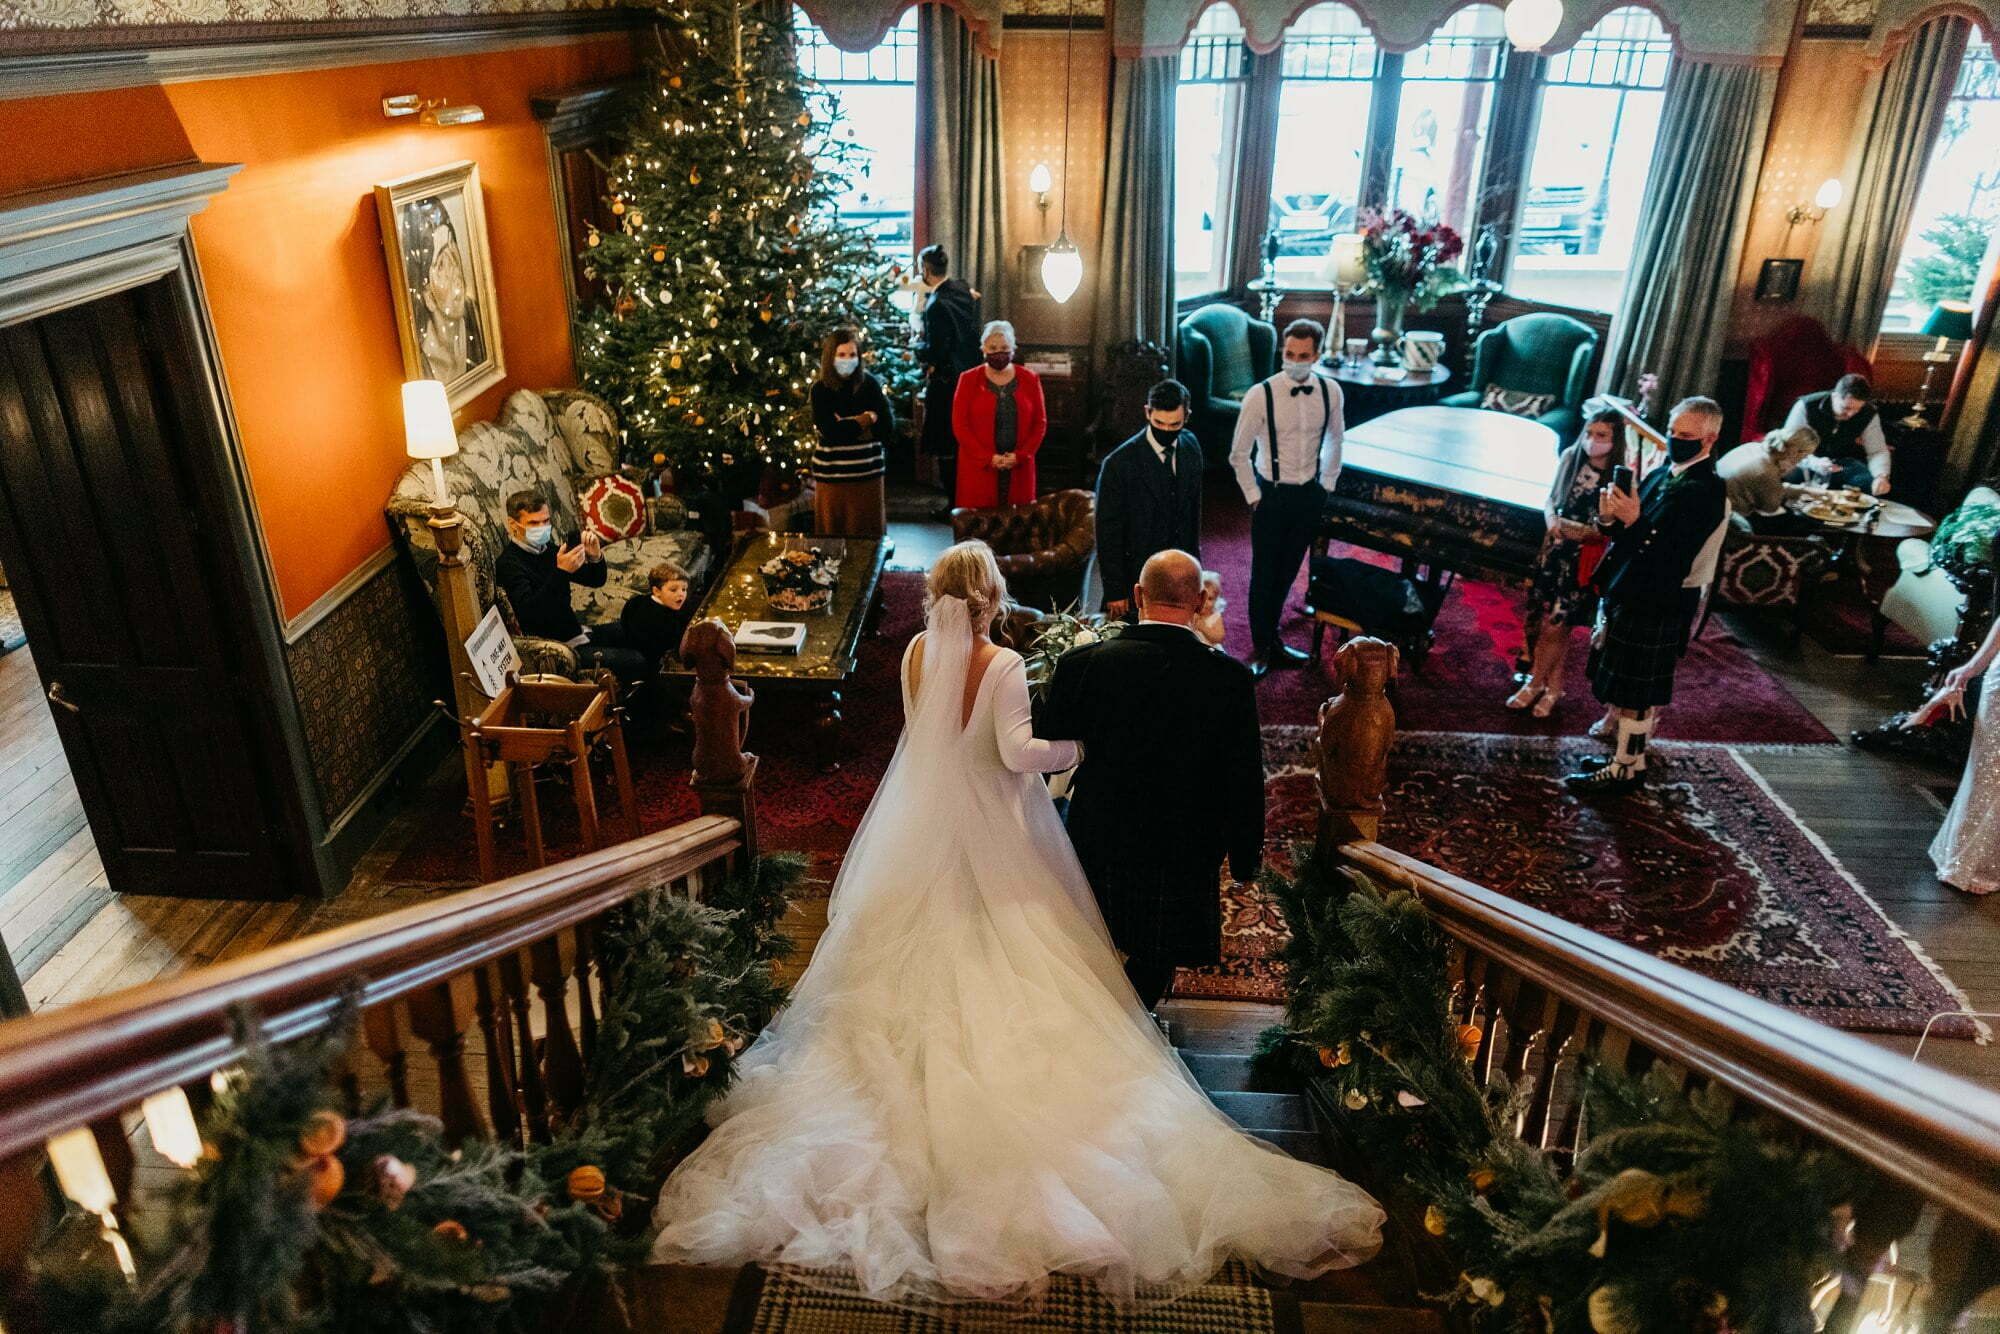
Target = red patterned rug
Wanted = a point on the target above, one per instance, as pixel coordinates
(1721, 694)
(1706, 867)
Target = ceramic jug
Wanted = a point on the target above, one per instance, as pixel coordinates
(1422, 350)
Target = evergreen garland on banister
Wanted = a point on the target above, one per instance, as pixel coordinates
(300, 1220)
(1673, 1219)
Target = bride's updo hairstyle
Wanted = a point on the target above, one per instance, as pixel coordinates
(968, 571)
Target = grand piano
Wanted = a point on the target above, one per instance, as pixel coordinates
(1456, 490)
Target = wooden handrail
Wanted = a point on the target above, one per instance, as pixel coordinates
(93, 1059)
(1933, 1131)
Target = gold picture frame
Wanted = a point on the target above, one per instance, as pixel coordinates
(441, 278)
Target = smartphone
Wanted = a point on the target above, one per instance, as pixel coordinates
(1621, 478)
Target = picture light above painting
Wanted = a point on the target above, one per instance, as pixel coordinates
(441, 279)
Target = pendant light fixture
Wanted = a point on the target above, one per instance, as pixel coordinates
(1531, 23)
(1062, 264)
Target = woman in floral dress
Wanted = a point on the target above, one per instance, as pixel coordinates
(1560, 598)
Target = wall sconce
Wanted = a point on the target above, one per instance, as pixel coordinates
(431, 111)
(1041, 182)
(1826, 198)
(428, 433)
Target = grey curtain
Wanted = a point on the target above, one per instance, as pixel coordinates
(958, 96)
(1674, 311)
(1972, 419)
(1134, 279)
(1885, 168)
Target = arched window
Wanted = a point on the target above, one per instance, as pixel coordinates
(1445, 109)
(1329, 70)
(875, 101)
(1586, 172)
(1952, 225)
(1208, 121)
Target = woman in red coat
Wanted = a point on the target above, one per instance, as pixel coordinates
(998, 417)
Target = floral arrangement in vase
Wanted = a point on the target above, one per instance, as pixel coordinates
(1409, 265)
(800, 579)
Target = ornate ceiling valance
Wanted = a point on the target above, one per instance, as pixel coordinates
(1712, 30)
(1896, 20)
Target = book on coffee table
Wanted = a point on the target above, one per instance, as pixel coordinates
(770, 637)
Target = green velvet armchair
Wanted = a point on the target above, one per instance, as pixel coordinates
(1532, 356)
(1223, 353)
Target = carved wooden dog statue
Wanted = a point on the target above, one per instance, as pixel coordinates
(1351, 750)
(720, 706)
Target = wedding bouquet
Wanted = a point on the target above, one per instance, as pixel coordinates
(1409, 264)
(800, 579)
(1055, 635)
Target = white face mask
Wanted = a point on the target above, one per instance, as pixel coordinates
(846, 366)
(538, 535)
(1299, 370)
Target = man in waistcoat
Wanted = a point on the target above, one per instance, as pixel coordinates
(1850, 435)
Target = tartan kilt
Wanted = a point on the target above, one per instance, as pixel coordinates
(1632, 663)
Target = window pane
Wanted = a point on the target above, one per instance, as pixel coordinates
(1441, 130)
(1586, 174)
(1329, 83)
(1952, 225)
(874, 97)
(1207, 114)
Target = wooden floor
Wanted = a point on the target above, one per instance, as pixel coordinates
(51, 882)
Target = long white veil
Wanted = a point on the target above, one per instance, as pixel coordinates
(899, 846)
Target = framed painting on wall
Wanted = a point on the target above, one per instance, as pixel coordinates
(441, 278)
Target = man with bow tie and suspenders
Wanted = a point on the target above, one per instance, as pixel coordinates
(1286, 455)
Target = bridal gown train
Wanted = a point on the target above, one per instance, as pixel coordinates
(964, 1095)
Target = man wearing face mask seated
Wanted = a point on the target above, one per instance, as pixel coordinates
(535, 573)
(1286, 455)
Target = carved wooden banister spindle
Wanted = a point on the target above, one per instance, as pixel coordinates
(586, 1002)
(1351, 748)
(383, 1034)
(562, 1063)
(440, 1015)
(528, 1065)
(501, 1105)
(120, 1163)
(1563, 1033)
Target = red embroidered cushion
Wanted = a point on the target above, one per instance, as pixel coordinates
(614, 508)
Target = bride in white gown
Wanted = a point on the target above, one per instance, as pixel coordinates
(964, 1095)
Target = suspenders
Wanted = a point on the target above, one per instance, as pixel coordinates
(1271, 422)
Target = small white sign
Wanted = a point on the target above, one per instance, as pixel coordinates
(493, 654)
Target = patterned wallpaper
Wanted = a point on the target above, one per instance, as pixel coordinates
(364, 678)
(22, 15)
(1845, 13)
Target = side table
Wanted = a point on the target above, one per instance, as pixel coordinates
(1367, 396)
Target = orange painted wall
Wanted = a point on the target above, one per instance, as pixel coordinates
(291, 257)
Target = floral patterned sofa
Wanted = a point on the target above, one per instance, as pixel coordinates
(556, 441)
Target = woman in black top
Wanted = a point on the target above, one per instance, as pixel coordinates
(853, 418)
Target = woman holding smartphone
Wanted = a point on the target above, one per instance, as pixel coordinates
(1560, 597)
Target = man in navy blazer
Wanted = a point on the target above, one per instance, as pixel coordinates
(1148, 496)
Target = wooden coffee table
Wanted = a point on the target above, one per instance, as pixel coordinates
(833, 638)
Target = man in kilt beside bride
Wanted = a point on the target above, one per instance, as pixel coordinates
(1664, 545)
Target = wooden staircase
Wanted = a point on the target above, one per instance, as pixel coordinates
(1216, 1040)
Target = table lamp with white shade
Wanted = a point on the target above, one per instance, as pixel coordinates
(1346, 272)
(428, 432)
(1949, 322)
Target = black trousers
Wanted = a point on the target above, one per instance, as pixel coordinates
(608, 649)
(1282, 528)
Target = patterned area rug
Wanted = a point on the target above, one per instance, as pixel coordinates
(1227, 1304)
(12, 636)
(1706, 867)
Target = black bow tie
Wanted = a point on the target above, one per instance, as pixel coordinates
(1298, 389)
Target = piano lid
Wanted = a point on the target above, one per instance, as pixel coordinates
(1493, 456)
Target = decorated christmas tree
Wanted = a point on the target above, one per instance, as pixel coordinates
(730, 262)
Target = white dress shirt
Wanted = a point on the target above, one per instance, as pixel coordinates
(1308, 435)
